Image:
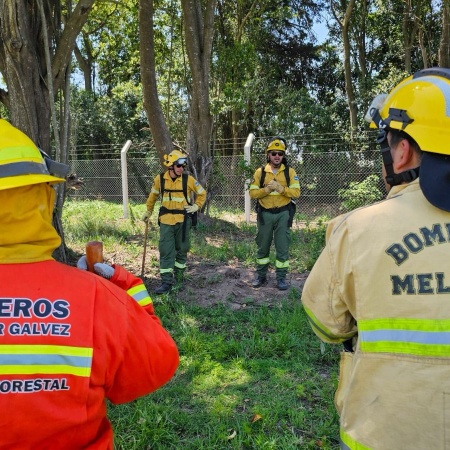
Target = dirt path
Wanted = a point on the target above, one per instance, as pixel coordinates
(208, 285)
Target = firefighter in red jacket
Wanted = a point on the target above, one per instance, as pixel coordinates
(69, 339)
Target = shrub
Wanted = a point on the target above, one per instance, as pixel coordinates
(360, 194)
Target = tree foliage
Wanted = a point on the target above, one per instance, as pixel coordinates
(250, 65)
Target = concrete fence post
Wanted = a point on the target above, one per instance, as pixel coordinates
(123, 165)
(247, 202)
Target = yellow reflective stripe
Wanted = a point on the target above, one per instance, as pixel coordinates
(179, 265)
(253, 186)
(281, 265)
(294, 185)
(140, 294)
(421, 337)
(348, 443)
(48, 359)
(201, 190)
(165, 270)
(263, 261)
(155, 191)
(54, 369)
(323, 332)
(19, 153)
(172, 198)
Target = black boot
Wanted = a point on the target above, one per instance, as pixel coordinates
(281, 284)
(259, 281)
(165, 287)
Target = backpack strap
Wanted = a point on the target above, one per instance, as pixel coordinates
(287, 176)
(184, 181)
(263, 177)
(161, 184)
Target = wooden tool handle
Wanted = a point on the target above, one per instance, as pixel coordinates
(94, 254)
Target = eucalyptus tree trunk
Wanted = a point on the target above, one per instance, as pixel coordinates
(23, 63)
(199, 32)
(20, 64)
(444, 48)
(152, 106)
(410, 28)
(344, 24)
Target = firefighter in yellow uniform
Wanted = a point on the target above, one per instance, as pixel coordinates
(176, 215)
(382, 283)
(274, 186)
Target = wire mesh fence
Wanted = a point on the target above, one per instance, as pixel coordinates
(324, 164)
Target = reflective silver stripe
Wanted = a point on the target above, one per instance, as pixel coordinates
(53, 360)
(45, 359)
(420, 337)
(23, 168)
(138, 296)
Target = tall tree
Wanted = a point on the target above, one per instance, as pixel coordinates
(342, 12)
(444, 48)
(199, 33)
(23, 64)
(157, 121)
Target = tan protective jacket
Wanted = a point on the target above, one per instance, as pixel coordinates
(385, 275)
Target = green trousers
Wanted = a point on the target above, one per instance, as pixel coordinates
(275, 228)
(173, 250)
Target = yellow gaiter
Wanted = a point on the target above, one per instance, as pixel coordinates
(26, 231)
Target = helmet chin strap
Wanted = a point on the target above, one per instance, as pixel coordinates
(392, 178)
(172, 169)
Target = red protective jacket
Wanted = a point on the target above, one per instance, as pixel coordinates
(70, 339)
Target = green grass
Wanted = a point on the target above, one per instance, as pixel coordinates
(233, 366)
(256, 378)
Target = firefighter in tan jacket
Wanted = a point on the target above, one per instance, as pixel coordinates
(383, 281)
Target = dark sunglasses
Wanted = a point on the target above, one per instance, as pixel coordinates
(277, 153)
(181, 165)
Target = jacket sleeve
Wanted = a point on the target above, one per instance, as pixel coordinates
(134, 287)
(200, 192)
(154, 194)
(133, 353)
(254, 190)
(328, 294)
(293, 190)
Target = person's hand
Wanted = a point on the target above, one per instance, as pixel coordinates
(191, 208)
(146, 216)
(102, 269)
(274, 185)
(268, 189)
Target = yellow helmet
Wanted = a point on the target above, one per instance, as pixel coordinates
(277, 144)
(175, 157)
(419, 106)
(22, 163)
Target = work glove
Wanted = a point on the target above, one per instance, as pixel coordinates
(102, 269)
(146, 216)
(268, 189)
(191, 208)
(275, 186)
